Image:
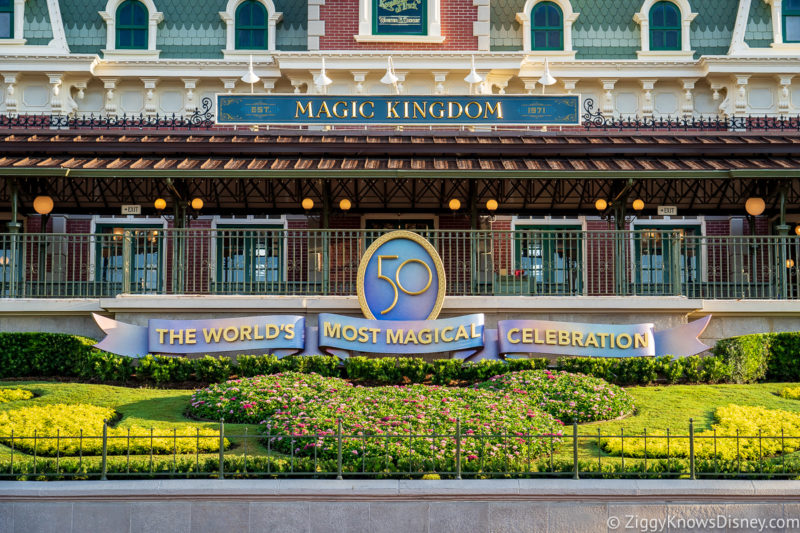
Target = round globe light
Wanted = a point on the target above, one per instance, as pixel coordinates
(492, 205)
(638, 204)
(755, 206)
(197, 204)
(308, 204)
(43, 205)
(600, 205)
(160, 204)
(455, 204)
(345, 204)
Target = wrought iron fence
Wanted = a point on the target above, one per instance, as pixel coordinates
(277, 261)
(449, 454)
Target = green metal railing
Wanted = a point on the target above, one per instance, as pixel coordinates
(267, 261)
(453, 453)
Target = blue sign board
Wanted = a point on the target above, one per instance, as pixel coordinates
(400, 17)
(514, 110)
(401, 277)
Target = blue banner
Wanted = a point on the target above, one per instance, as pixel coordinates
(351, 334)
(521, 110)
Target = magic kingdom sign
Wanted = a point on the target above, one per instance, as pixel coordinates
(511, 110)
(401, 290)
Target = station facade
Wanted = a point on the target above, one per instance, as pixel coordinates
(676, 193)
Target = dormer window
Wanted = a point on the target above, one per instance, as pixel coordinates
(251, 26)
(131, 26)
(547, 27)
(665, 27)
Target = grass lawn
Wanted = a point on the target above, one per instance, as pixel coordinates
(657, 408)
(157, 408)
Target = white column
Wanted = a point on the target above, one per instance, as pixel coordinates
(55, 93)
(740, 102)
(608, 97)
(647, 104)
(10, 79)
(688, 99)
(110, 84)
(439, 77)
(481, 28)
(150, 97)
(359, 76)
(784, 101)
(229, 84)
(189, 84)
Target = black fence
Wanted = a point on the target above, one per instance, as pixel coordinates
(457, 454)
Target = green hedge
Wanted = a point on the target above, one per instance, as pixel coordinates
(647, 370)
(740, 359)
(775, 356)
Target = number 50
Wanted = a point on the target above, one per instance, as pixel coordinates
(396, 283)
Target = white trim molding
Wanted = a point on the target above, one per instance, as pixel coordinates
(19, 25)
(229, 18)
(154, 18)
(569, 18)
(367, 35)
(642, 18)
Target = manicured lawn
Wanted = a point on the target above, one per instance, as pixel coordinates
(657, 408)
(157, 408)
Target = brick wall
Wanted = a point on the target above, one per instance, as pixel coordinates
(341, 24)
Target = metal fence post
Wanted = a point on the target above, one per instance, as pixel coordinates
(222, 448)
(104, 466)
(458, 448)
(339, 451)
(691, 448)
(575, 467)
(127, 244)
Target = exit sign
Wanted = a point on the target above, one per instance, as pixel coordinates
(667, 210)
(131, 210)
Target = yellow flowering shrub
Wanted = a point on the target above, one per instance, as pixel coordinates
(791, 393)
(58, 428)
(14, 395)
(748, 420)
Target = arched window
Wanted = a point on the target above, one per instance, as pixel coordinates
(665, 26)
(251, 26)
(791, 21)
(6, 19)
(132, 25)
(547, 27)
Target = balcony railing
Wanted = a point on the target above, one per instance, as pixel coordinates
(259, 261)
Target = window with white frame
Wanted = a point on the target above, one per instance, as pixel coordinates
(400, 21)
(12, 13)
(131, 27)
(250, 25)
(547, 26)
(665, 28)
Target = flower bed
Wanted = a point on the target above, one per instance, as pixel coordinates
(65, 430)
(568, 397)
(14, 395)
(388, 428)
(744, 433)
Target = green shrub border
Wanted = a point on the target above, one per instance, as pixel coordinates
(63, 355)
